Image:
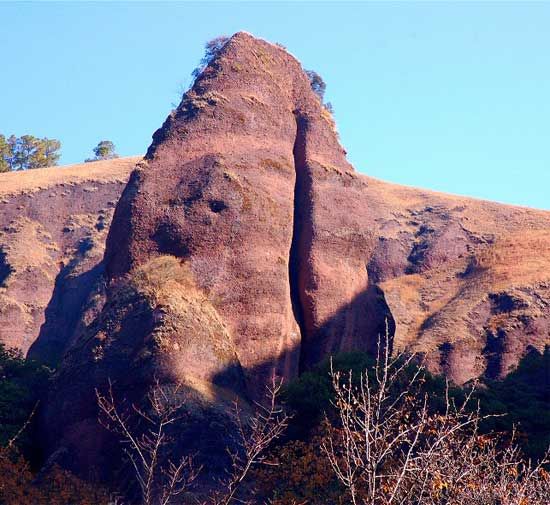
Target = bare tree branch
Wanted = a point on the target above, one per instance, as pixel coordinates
(159, 478)
(389, 447)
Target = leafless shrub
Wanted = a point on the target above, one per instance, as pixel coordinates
(254, 434)
(391, 447)
(9, 451)
(211, 50)
(10, 445)
(474, 469)
(160, 479)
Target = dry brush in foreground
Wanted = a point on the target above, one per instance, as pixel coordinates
(390, 446)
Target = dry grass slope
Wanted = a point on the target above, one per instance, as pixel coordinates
(465, 254)
(35, 180)
(53, 224)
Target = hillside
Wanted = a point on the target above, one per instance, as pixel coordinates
(53, 223)
(510, 253)
(467, 281)
(243, 246)
(33, 181)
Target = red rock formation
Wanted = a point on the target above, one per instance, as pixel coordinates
(225, 257)
(245, 245)
(240, 184)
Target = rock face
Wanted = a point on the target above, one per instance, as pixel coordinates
(245, 245)
(53, 224)
(240, 184)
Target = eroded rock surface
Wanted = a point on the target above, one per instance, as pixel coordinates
(245, 245)
(240, 184)
(236, 196)
(53, 225)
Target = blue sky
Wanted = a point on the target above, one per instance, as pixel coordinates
(449, 96)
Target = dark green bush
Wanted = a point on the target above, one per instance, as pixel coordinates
(22, 383)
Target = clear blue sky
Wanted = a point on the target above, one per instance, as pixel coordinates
(449, 96)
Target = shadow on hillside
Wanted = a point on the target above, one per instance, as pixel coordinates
(62, 315)
(206, 429)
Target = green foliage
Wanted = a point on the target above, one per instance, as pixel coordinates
(310, 396)
(5, 155)
(105, 150)
(317, 84)
(319, 87)
(26, 152)
(211, 49)
(520, 401)
(523, 398)
(22, 382)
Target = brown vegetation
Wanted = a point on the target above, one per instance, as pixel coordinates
(53, 224)
(390, 446)
(164, 480)
(44, 178)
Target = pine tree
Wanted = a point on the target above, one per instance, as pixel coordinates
(28, 152)
(5, 155)
(105, 150)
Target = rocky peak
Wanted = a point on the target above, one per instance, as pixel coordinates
(232, 186)
(252, 97)
(251, 88)
(245, 246)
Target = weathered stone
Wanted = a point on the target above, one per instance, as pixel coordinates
(245, 245)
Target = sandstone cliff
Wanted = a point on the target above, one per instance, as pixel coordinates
(245, 245)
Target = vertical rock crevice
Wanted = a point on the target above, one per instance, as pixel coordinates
(360, 320)
(301, 229)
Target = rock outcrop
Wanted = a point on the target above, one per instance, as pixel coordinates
(53, 224)
(245, 245)
(240, 184)
(224, 261)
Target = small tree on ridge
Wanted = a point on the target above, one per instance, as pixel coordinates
(211, 49)
(318, 85)
(105, 150)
